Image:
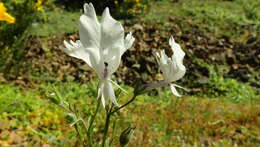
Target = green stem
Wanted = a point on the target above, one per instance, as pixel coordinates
(107, 126)
(90, 128)
(127, 103)
(85, 128)
(109, 114)
(79, 135)
(113, 132)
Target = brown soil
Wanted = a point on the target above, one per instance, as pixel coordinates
(44, 61)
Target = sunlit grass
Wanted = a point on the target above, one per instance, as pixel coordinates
(217, 16)
(162, 119)
(57, 22)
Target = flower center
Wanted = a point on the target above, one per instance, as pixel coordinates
(105, 74)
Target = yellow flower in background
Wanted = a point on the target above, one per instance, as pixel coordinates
(4, 16)
(116, 3)
(138, 5)
(38, 6)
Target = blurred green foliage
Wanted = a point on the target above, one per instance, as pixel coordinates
(220, 86)
(215, 16)
(130, 8)
(51, 21)
(13, 36)
(215, 84)
(119, 8)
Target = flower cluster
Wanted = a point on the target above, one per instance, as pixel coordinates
(38, 6)
(138, 6)
(132, 7)
(4, 16)
(43, 5)
(102, 44)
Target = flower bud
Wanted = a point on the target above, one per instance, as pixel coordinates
(70, 118)
(126, 136)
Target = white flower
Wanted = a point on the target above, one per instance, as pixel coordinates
(101, 46)
(172, 67)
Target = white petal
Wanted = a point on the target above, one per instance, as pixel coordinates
(178, 68)
(89, 28)
(174, 91)
(108, 92)
(129, 40)
(103, 100)
(175, 85)
(100, 43)
(164, 57)
(75, 49)
(112, 41)
(118, 86)
(90, 37)
(165, 65)
(113, 60)
(112, 31)
(177, 72)
(100, 93)
(100, 89)
(103, 41)
(178, 53)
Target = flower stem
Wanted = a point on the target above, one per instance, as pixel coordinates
(90, 128)
(78, 133)
(109, 113)
(130, 101)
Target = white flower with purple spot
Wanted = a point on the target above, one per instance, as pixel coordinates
(101, 46)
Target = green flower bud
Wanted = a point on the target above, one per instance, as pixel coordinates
(126, 136)
(70, 117)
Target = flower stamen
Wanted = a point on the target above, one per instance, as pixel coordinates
(105, 74)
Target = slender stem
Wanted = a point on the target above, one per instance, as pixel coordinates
(75, 112)
(90, 128)
(113, 132)
(130, 101)
(154, 85)
(109, 113)
(79, 135)
(85, 126)
(106, 130)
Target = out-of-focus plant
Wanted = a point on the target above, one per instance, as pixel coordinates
(38, 6)
(4, 16)
(119, 8)
(220, 86)
(42, 5)
(251, 10)
(216, 84)
(130, 8)
(13, 37)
